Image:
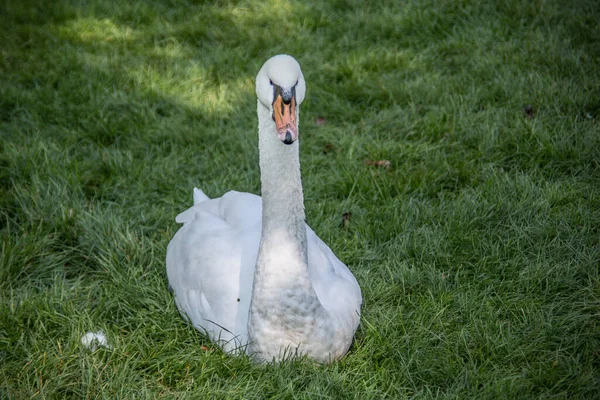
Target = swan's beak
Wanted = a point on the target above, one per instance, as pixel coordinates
(284, 115)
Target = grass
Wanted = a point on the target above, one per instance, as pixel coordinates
(477, 248)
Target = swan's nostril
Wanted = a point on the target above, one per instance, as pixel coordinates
(288, 138)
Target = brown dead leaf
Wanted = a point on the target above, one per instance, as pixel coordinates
(378, 163)
(346, 219)
(204, 348)
(328, 148)
(320, 121)
(529, 111)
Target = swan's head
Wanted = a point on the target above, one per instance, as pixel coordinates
(280, 87)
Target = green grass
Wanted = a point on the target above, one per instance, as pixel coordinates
(477, 249)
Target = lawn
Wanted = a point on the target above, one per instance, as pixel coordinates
(450, 155)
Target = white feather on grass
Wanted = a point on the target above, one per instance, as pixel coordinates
(93, 340)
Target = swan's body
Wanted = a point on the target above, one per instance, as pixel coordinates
(249, 271)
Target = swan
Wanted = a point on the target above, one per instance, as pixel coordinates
(248, 271)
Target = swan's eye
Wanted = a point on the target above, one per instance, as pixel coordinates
(270, 82)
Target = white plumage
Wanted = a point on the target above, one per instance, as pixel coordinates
(248, 271)
(93, 340)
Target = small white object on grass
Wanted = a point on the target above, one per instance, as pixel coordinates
(93, 340)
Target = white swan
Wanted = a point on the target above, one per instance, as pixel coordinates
(254, 276)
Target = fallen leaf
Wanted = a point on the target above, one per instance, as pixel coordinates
(346, 219)
(379, 163)
(320, 121)
(529, 111)
(204, 348)
(328, 148)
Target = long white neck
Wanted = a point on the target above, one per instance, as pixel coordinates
(285, 313)
(284, 308)
(283, 226)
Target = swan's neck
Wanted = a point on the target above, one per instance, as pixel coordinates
(284, 308)
(283, 227)
(285, 312)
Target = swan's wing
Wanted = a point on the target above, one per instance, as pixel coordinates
(238, 209)
(210, 263)
(335, 285)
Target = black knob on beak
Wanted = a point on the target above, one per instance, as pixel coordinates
(286, 96)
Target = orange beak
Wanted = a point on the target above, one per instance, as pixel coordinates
(285, 119)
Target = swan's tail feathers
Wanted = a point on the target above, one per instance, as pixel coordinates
(190, 214)
(199, 196)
